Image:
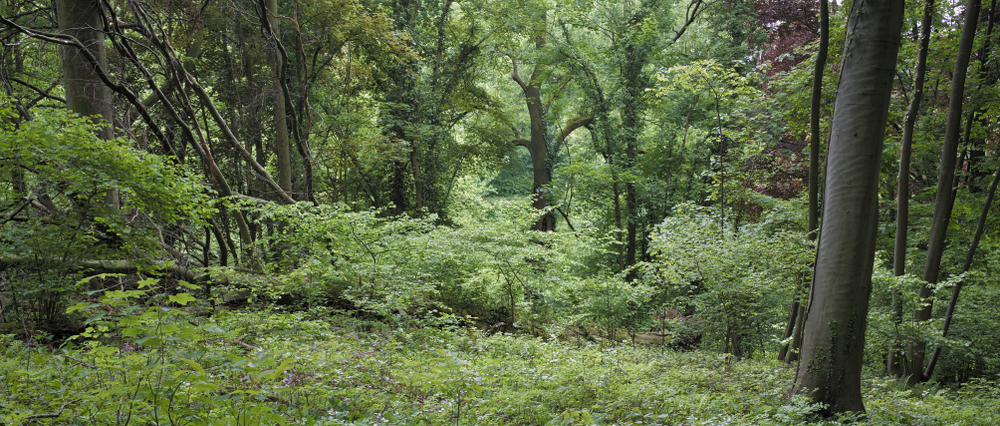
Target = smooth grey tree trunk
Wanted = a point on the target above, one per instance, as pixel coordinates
(944, 200)
(834, 333)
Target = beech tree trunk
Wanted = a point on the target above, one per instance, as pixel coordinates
(834, 333)
(944, 200)
(86, 94)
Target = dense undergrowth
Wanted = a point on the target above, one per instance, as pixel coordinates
(264, 367)
(356, 316)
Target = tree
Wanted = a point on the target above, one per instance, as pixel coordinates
(944, 200)
(278, 62)
(798, 310)
(615, 50)
(894, 362)
(86, 94)
(833, 337)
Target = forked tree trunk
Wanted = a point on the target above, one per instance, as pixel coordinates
(829, 371)
(537, 144)
(944, 200)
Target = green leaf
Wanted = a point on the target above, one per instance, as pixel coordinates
(193, 364)
(131, 332)
(281, 369)
(80, 306)
(182, 298)
(188, 285)
(204, 386)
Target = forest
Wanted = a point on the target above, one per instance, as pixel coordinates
(482, 212)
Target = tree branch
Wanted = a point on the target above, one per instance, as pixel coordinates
(70, 41)
(122, 267)
(514, 74)
(689, 17)
(44, 93)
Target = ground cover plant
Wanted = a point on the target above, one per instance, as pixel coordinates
(267, 367)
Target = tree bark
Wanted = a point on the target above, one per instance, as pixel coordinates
(944, 200)
(815, 101)
(895, 362)
(281, 140)
(86, 93)
(834, 333)
(814, 140)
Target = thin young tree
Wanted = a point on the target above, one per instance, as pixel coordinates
(797, 312)
(895, 364)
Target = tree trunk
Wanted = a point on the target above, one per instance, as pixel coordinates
(814, 136)
(944, 200)
(281, 139)
(834, 332)
(895, 362)
(86, 93)
(969, 256)
(537, 144)
(814, 141)
(635, 86)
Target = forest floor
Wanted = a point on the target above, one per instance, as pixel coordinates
(266, 368)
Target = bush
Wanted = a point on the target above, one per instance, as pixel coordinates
(737, 283)
(491, 270)
(58, 220)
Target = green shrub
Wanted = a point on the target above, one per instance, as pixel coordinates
(737, 284)
(60, 175)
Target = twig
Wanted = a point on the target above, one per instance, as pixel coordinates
(47, 415)
(83, 363)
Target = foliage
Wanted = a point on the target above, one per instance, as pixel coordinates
(411, 118)
(56, 213)
(485, 269)
(968, 351)
(143, 351)
(268, 367)
(737, 282)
